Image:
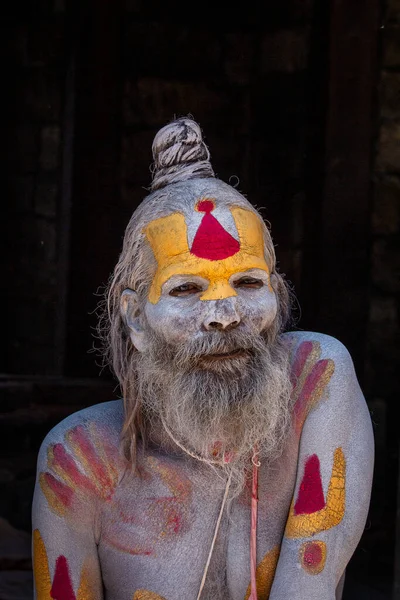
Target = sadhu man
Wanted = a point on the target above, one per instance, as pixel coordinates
(239, 462)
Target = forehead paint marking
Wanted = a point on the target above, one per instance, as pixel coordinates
(212, 241)
(168, 239)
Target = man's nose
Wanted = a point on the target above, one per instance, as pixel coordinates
(222, 315)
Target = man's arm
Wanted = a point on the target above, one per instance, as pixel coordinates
(64, 517)
(332, 492)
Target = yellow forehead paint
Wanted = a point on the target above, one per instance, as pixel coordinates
(168, 239)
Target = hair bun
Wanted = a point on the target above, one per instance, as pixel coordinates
(179, 153)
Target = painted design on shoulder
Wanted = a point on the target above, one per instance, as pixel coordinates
(265, 574)
(61, 588)
(138, 524)
(302, 523)
(86, 467)
(146, 595)
(312, 556)
(173, 509)
(215, 254)
(310, 375)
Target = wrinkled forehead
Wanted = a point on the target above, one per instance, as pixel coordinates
(212, 232)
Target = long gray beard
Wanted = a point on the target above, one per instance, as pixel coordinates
(219, 410)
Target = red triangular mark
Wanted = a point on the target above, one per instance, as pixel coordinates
(62, 586)
(311, 496)
(211, 240)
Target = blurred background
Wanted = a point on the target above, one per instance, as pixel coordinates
(300, 99)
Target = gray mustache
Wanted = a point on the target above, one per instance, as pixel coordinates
(219, 343)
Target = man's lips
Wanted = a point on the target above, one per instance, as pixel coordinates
(239, 353)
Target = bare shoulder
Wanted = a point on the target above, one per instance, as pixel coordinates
(323, 376)
(98, 422)
(319, 346)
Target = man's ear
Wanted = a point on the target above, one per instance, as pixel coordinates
(130, 311)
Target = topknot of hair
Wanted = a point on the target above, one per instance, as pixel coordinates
(179, 154)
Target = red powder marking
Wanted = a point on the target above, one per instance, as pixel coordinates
(64, 460)
(212, 241)
(311, 496)
(206, 206)
(303, 352)
(312, 556)
(119, 545)
(62, 491)
(80, 437)
(175, 521)
(216, 449)
(62, 586)
(310, 384)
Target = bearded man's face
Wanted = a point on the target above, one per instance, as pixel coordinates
(209, 367)
(211, 277)
(181, 317)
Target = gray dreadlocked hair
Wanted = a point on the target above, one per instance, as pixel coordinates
(181, 169)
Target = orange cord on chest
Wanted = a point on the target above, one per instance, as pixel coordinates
(253, 531)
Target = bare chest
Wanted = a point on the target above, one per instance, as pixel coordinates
(156, 535)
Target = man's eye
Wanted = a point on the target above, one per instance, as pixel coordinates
(249, 282)
(185, 290)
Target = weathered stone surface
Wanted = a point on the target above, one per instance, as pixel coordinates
(390, 95)
(383, 311)
(393, 10)
(21, 189)
(136, 157)
(180, 51)
(285, 50)
(45, 44)
(52, 397)
(239, 57)
(15, 547)
(391, 46)
(38, 94)
(386, 265)
(49, 148)
(386, 209)
(388, 158)
(45, 203)
(25, 148)
(16, 585)
(132, 195)
(155, 101)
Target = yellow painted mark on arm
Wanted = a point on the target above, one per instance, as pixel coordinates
(88, 582)
(306, 525)
(41, 571)
(146, 595)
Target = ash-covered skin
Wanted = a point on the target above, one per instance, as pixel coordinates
(107, 531)
(180, 318)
